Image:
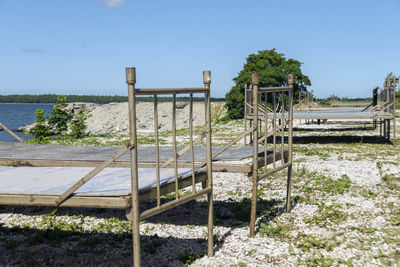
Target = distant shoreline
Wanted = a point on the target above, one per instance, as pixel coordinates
(28, 103)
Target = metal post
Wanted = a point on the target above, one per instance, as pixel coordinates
(131, 81)
(207, 82)
(245, 112)
(255, 155)
(290, 144)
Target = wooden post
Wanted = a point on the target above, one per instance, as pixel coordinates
(207, 82)
(255, 155)
(131, 81)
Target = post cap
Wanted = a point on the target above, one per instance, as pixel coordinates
(206, 77)
(254, 78)
(130, 75)
(290, 79)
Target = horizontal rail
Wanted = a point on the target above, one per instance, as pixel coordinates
(274, 89)
(274, 170)
(74, 201)
(168, 91)
(222, 166)
(173, 203)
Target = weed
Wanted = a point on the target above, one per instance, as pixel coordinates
(186, 257)
(275, 230)
(331, 213)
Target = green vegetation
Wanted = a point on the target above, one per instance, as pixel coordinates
(187, 258)
(41, 131)
(57, 123)
(273, 69)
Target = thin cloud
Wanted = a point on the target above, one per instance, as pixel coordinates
(32, 50)
(112, 3)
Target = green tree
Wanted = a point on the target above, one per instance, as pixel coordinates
(41, 131)
(273, 69)
(78, 125)
(58, 120)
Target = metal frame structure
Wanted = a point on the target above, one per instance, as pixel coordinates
(269, 111)
(386, 105)
(202, 173)
(271, 153)
(381, 110)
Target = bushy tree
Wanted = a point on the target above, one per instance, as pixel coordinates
(273, 69)
(58, 120)
(78, 125)
(41, 131)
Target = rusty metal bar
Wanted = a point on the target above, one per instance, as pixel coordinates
(157, 149)
(274, 89)
(207, 83)
(169, 91)
(150, 212)
(11, 133)
(266, 127)
(290, 145)
(131, 81)
(191, 141)
(183, 150)
(279, 168)
(174, 144)
(91, 174)
(283, 124)
(245, 112)
(274, 127)
(255, 82)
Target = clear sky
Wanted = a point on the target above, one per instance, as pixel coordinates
(83, 47)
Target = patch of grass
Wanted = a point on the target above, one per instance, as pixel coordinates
(309, 242)
(187, 257)
(275, 230)
(241, 211)
(321, 155)
(334, 187)
(320, 261)
(150, 245)
(328, 213)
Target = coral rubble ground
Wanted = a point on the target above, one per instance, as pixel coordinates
(345, 211)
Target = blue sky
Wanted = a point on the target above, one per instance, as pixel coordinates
(83, 47)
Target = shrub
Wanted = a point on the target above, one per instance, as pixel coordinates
(78, 125)
(58, 120)
(41, 131)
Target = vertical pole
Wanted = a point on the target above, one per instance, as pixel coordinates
(274, 129)
(131, 81)
(191, 142)
(265, 129)
(245, 112)
(174, 146)
(290, 144)
(255, 156)
(157, 149)
(207, 82)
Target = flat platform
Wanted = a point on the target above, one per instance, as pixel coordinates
(56, 180)
(17, 154)
(330, 113)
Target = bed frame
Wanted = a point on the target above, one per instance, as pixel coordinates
(271, 153)
(382, 110)
(201, 174)
(269, 111)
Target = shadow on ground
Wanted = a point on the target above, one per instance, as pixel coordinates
(31, 246)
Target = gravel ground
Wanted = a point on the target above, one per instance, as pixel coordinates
(346, 212)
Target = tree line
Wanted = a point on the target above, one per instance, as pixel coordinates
(98, 99)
